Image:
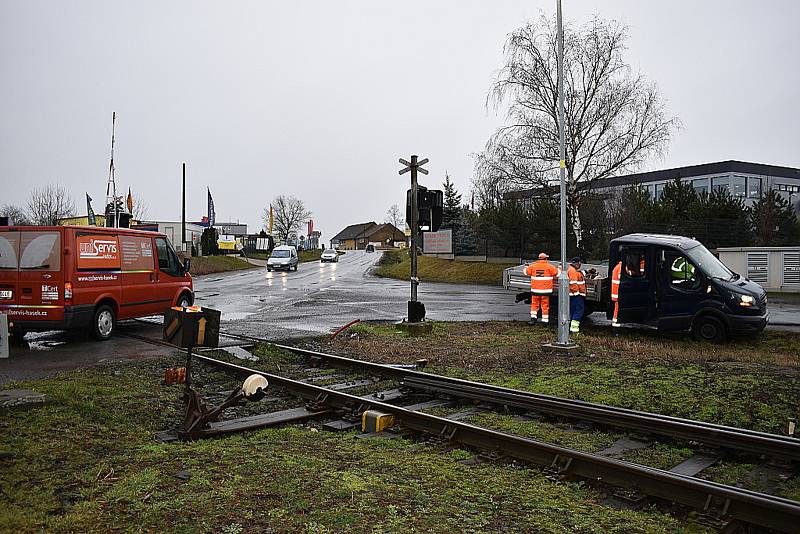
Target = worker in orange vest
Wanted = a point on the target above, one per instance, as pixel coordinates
(616, 274)
(577, 294)
(542, 274)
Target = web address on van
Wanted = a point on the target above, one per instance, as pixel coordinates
(97, 278)
(28, 313)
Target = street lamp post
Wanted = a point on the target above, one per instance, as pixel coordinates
(563, 297)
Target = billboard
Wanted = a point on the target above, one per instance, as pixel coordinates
(226, 242)
(98, 252)
(440, 242)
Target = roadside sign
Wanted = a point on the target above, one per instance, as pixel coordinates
(226, 242)
(440, 242)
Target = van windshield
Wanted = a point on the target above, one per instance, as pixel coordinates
(709, 264)
(280, 253)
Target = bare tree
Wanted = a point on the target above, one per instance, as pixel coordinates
(615, 119)
(395, 217)
(140, 210)
(16, 215)
(288, 215)
(48, 204)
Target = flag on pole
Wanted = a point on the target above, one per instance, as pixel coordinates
(211, 214)
(89, 210)
(269, 229)
(130, 202)
(310, 227)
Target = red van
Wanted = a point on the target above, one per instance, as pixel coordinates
(66, 277)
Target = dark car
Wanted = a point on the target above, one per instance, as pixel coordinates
(370, 248)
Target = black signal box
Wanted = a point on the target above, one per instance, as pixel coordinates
(430, 204)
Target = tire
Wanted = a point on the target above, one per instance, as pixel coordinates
(709, 329)
(295, 267)
(104, 322)
(184, 300)
(269, 269)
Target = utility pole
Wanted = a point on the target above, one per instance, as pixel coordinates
(563, 295)
(183, 211)
(111, 186)
(416, 312)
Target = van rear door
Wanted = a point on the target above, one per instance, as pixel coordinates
(40, 276)
(9, 273)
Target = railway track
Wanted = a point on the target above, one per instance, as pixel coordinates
(711, 498)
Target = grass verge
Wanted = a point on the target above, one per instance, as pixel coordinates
(88, 463)
(397, 264)
(217, 264)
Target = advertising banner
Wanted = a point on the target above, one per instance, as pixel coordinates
(440, 242)
(98, 252)
(226, 242)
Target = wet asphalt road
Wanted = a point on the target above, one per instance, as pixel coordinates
(320, 297)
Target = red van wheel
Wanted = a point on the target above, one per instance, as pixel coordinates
(104, 322)
(184, 300)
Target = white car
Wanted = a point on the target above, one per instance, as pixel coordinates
(329, 255)
(283, 257)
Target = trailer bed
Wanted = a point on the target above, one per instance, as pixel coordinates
(514, 278)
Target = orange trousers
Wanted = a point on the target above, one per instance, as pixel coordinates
(616, 313)
(540, 301)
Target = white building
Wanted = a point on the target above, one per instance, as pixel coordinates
(172, 229)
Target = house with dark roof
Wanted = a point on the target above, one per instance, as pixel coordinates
(358, 236)
(741, 179)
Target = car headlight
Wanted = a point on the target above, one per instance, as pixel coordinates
(746, 301)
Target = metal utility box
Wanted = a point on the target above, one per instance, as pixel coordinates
(775, 269)
(192, 326)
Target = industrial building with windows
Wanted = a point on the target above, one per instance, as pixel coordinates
(741, 179)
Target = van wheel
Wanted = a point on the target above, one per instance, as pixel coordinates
(295, 267)
(104, 322)
(184, 300)
(710, 329)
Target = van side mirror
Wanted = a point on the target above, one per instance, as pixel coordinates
(186, 264)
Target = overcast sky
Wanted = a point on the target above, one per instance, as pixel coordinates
(320, 99)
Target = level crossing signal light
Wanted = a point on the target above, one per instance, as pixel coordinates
(430, 204)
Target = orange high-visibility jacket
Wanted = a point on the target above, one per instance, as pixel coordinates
(542, 274)
(577, 282)
(616, 274)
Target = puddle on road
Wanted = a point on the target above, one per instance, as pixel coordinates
(44, 345)
(235, 316)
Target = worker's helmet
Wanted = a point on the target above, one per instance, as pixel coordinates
(576, 260)
(543, 256)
